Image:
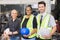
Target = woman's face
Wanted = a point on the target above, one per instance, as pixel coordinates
(28, 11)
(14, 13)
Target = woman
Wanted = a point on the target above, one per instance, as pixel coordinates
(11, 31)
(29, 21)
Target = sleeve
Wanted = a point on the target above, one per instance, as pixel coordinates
(34, 23)
(6, 26)
(18, 26)
(52, 22)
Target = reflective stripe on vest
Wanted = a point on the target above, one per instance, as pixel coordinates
(44, 24)
(29, 25)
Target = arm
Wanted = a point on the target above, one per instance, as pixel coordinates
(34, 26)
(53, 30)
(53, 25)
(7, 29)
(15, 32)
(33, 31)
(7, 26)
(17, 29)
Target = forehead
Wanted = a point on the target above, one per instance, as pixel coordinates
(27, 8)
(14, 11)
(41, 5)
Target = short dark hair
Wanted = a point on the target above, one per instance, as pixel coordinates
(42, 2)
(29, 6)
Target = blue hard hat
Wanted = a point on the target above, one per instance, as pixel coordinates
(24, 31)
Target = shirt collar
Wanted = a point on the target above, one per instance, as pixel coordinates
(43, 14)
(14, 20)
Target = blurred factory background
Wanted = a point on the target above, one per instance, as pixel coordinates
(53, 7)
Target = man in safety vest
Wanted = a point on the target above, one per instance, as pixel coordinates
(46, 23)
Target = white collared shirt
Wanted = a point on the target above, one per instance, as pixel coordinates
(52, 22)
(43, 14)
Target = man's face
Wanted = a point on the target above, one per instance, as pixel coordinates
(14, 13)
(41, 8)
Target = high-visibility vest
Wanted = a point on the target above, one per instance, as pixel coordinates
(44, 24)
(29, 25)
